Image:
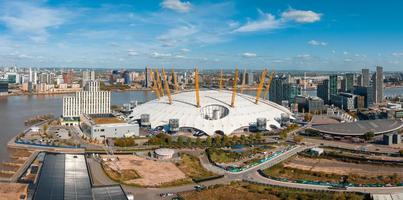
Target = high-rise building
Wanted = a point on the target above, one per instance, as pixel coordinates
(281, 89)
(365, 77)
(349, 82)
(366, 92)
(344, 101)
(377, 85)
(148, 78)
(333, 85)
(87, 76)
(323, 91)
(89, 101)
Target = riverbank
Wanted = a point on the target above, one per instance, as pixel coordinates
(69, 92)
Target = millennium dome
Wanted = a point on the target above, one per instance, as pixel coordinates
(214, 113)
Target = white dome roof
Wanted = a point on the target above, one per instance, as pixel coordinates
(184, 108)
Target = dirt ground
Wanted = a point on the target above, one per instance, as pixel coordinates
(342, 168)
(152, 173)
(12, 190)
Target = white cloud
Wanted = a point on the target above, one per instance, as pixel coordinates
(317, 43)
(31, 19)
(185, 50)
(160, 55)
(176, 5)
(301, 16)
(132, 52)
(267, 22)
(248, 55)
(177, 35)
(397, 54)
(179, 56)
(303, 56)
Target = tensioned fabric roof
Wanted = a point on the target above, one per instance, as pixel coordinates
(184, 108)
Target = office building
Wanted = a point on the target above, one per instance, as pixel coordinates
(365, 77)
(107, 126)
(366, 92)
(333, 89)
(13, 78)
(345, 101)
(309, 104)
(348, 82)
(323, 91)
(3, 86)
(377, 85)
(89, 101)
(281, 89)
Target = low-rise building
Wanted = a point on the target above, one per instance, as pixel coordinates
(107, 126)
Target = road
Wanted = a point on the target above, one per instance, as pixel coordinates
(249, 175)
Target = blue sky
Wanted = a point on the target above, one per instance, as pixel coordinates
(278, 34)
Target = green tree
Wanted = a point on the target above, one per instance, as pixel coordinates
(180, 140)
(258, 137)
(368, 135)
(243, 139)
(198, 142)
(225, 140)
(209, 141)
(217, 141)
(189, 142)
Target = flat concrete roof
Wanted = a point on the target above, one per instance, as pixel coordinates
(359, 128)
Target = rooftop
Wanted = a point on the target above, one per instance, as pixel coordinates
(107, 120)
(214, 114)
(360, 127)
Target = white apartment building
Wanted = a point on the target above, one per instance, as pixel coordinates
(89, 101)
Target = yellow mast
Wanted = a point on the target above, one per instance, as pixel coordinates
(243, 80)
(159, 83)
(266, 91)
(155, 85)
(175, 81)
(166, 86)
(259, 89)
(221, 80)
(234, 88)
(197, 87)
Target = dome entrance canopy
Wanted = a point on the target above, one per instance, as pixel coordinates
(214, 112)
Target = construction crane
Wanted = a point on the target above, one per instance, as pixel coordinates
(197, 88)
(159, 84)
(221, 79)
(243, 80)
(235, 82)
(175, 80)
(266, 91)
(166, 86)
(155, 87)
(259, 89)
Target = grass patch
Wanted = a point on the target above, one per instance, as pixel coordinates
(218, 155)
(191, 166)
(246, 191)
(279, 171)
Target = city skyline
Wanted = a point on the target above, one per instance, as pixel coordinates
(303, 35)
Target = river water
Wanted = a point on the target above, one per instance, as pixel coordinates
(14, 110)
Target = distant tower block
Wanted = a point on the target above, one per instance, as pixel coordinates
(261, 124)
(173, 125)
(145, 120)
